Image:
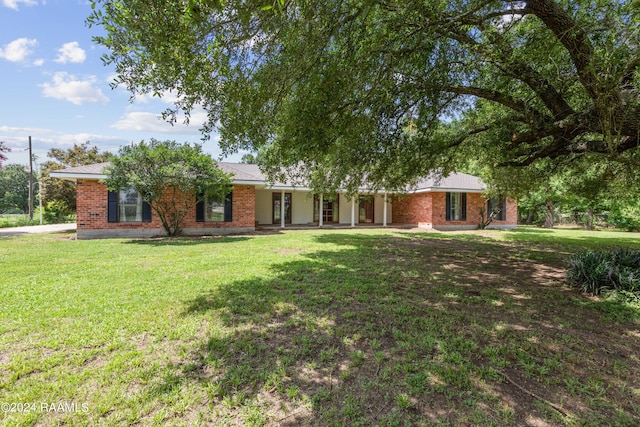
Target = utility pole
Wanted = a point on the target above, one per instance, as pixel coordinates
(30, 180)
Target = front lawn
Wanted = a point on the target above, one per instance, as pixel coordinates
(331, 327)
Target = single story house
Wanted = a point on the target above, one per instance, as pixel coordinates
(450, 203)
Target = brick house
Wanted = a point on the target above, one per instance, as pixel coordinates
(450, 203)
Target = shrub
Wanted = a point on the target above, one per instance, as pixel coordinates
(56, 211)
(600, 271)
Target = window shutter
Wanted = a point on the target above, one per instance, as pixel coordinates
(463, 208)
(448, 207)
(228, 208)
(489, 207)
(504, 209)
(146, 212)
(112, 206)
(200, 208)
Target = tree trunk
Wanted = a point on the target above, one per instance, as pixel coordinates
(530, 216)
(589, 224)
(548, 215)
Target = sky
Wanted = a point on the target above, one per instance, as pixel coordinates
(55, 88)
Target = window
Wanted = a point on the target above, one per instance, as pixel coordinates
(127, 205)
(456, 207)
(212, 209)
(497, 206)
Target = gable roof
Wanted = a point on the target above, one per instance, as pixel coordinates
(249, 174)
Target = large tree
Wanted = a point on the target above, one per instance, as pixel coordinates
(62, 192)
(389, 90)
(169, 176)
(14, 188)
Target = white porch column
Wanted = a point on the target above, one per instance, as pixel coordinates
(282, 210)
(384, 211)
(353, 212)
(320, 211)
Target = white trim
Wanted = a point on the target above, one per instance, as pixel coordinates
(353, 212)
(66, 175)
(442, 190)
(384, 211)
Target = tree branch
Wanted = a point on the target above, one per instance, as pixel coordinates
(573, 38)
(493, 95)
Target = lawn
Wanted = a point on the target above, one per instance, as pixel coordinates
(317, 327)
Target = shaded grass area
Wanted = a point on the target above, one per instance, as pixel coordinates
(315, 328)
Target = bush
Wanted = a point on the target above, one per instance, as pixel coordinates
(601, 271)
(56, 211)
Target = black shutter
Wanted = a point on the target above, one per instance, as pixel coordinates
(463, 208)
(112, 206)
(448, 207)
(504, 209)
(146, 212)
(200, 209)
(489, 208)
(228, 208)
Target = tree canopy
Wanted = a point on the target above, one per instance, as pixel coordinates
(169, 176)
(388, 91)
(63, 192)
(14, 189)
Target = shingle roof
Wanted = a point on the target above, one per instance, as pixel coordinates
(93, 169)
(454, 181)
(247, 173)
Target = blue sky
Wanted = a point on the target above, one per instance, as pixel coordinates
(55, 88)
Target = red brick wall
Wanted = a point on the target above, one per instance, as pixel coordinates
(429, 210)
(92, 210)
(475, 201)
(412, 209)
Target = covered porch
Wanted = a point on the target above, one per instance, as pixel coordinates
(283, 207)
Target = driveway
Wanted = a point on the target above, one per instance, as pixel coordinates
(37, 229)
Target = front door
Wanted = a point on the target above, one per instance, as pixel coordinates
(330, 209)
(365, 210)
(276, 208)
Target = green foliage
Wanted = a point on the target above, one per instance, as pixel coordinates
(597, 272)
(169, 176)
(56, 211)
(14, 189)
(625, 213)
(61, 191)
(386, 92)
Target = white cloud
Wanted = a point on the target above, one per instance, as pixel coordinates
(38, 62)
(45, 138)
(167, 97)
(142, 121)
(69, 88)
(13, 4)
(71, 52)
(18, 50)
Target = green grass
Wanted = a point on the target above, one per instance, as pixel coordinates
(342, 327)
(20, 220)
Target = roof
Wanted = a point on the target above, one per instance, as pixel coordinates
(453, 182)
(249, 174)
